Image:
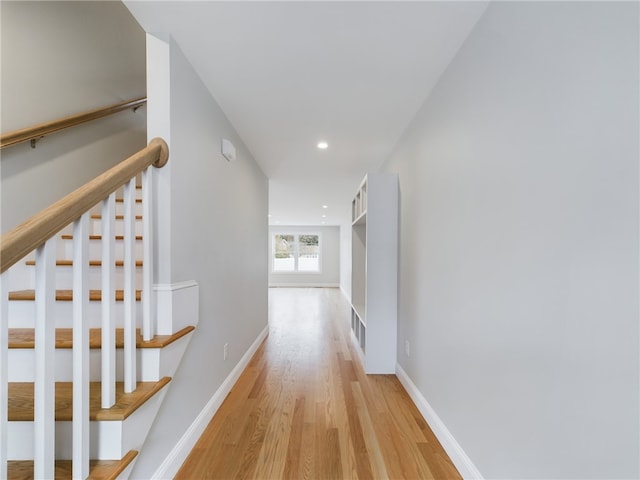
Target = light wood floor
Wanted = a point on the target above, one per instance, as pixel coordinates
(304, 409)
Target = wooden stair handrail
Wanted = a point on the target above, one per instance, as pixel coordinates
(32, 233)
(36, 132)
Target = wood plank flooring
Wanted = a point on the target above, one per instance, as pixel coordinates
(304, 409)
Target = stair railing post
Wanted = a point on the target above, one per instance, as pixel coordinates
(148, 327)
(4, 373)
(108, 350)
(129, 271)
(80, 457)
(44, 388)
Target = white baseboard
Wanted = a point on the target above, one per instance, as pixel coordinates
(304, 285)
(169, 468)
(459, 458)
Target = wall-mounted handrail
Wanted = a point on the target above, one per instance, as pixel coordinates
(36, 132)
(32, 233)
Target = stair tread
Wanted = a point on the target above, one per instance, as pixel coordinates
(67, 295)
(121, 200)
(92, 263)
(97, 216)
(21, 400)
(25, 338)
(98, 237)
(98, 469)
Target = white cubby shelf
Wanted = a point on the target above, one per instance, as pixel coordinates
(374, 271)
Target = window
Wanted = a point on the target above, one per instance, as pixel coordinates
(284, 253)
(296, 253)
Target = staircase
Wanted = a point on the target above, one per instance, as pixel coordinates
(109, 360)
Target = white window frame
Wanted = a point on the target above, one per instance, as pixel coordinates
(296, 251)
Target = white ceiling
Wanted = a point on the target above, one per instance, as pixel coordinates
(288, 74)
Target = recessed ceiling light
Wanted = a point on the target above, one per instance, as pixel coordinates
(323, 145)
(324, 216)
(325, 206)
(269, 215)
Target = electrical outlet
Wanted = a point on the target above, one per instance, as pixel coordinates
(226, 350)
(407, 348)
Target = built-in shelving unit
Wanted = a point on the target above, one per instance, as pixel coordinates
(374, 271)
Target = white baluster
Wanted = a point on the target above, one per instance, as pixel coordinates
(80, 464)
(44, 389)
(129, 288)
(4, 373)
(108, 352)
(148, 327)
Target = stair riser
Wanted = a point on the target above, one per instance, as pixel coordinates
(64, 278)
(21, 364)
(65, 249)
(22, 314)
(109, 440)
(119, 195)
(152, 363)
(137, 209)
(96, 227)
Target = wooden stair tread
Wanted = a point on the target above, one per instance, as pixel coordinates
(121, 200)
(97, 216)
(21, 400)
(92, 263)
(67, 295)
(98, 237)
(98, 469)
(25, 338)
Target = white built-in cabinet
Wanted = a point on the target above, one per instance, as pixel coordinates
(374, 271)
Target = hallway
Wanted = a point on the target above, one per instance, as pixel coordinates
(304, 409)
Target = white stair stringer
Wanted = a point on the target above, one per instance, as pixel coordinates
(156, 363)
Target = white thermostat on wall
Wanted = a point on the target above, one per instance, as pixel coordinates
(228, 150)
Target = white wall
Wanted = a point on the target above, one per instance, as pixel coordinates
(216, 234)
(519, 242)
(58, 59)
(329, 275)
